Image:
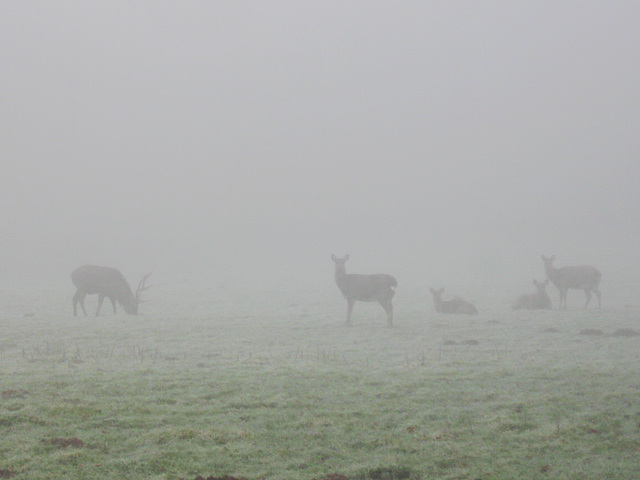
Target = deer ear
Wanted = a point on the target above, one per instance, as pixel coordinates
(545, 283)
(441, 291)
(432, 290)
(333, 257)
(346, 257)
(535, 282)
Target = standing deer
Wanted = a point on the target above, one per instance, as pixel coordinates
(456, 305)
(365, 288)
(536, 301)
(106, 282)
(583, 277)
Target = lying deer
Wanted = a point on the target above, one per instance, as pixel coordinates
(584, 277)
(365, 288)
(106, 282)
(535, 301)
(456, 305)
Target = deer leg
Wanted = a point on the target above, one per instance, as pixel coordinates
(597, 292)
(388, 307)
(560, 306)
(563, 299)
(350, 303)
(588, 294)
(100, 300)
(113, 303)
(78, 298)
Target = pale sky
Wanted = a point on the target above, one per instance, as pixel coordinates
(245, 142)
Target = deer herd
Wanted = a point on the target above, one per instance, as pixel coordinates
(109, 283)
(381, 288)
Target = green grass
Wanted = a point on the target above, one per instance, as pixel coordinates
(280, 397)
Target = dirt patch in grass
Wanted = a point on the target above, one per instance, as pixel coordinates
(19, 393)
(377, 474)
(463, 342)
(625, 332)
(64, 442)
(389, 473)
(6, 472)
(591, 331)
(550, 330)
(224, 477)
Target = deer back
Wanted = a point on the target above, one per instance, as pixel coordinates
(462, 306)
(583, 277)
(534, 301)
(456, 305)
(579, 277)
(366, 287)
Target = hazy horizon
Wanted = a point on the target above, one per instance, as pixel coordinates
(447, 143)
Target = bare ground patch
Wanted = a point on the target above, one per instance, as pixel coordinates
(64, 442)
(625, 332)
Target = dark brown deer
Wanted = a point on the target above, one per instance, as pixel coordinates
(583, 277)
(105, 282)
(365, 288)
(535, 301)
(456, 305)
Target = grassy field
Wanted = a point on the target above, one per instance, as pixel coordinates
(275, 387)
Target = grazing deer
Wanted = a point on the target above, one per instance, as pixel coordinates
(583, 277)
(365, 288)
(106, 282)
(457, 305)
(536, 301)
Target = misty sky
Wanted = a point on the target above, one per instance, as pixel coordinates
(245, 142)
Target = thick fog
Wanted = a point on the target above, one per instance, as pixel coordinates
(240, 144)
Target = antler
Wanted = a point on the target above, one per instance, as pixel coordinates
(141, 287)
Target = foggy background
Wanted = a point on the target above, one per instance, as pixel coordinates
(240, 144)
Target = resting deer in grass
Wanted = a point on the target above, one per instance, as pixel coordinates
(535, 301)
(365, 288)
(456, 305)
(583, 277)
(106, 282)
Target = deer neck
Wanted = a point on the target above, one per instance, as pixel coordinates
(551, 271)
(125, 296)
(341, 275)
(437, 300)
